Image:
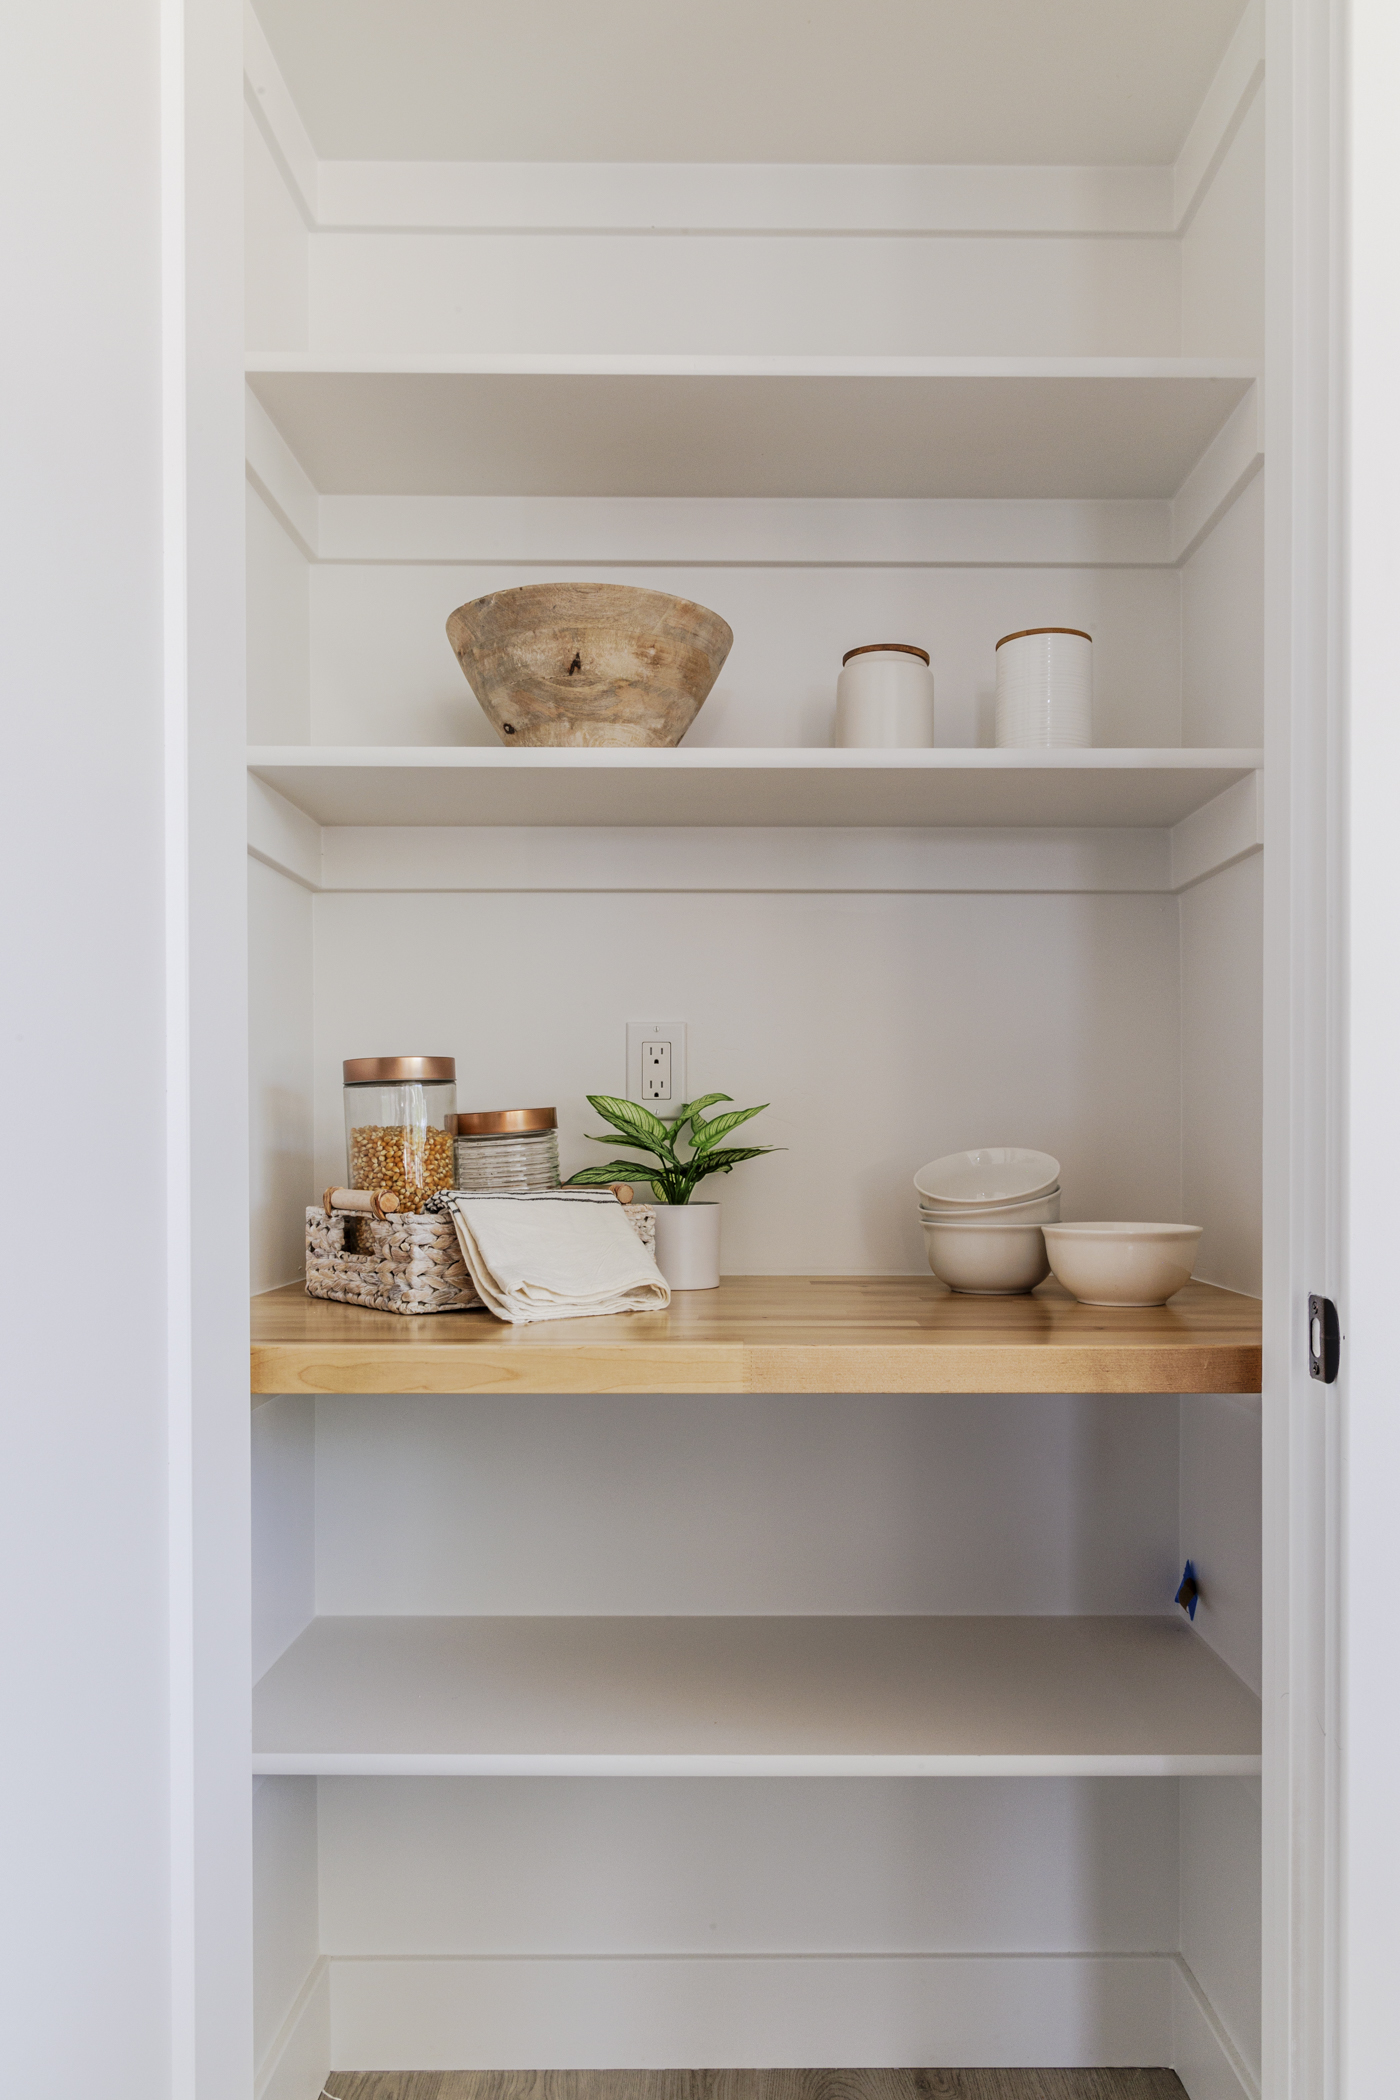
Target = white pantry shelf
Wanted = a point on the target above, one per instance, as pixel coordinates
(518, 425)
(747, 1696)
(479, 784)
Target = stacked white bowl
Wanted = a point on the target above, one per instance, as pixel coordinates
(982, 1213)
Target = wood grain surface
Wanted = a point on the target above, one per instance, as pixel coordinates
(589, 664)
(756, 2085)
(774, 1334)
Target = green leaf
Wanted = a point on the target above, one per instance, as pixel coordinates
(638, 1124)
(707, 1134)
(615, 1170)
(727, 1158)
(690, 1109)
(686, 1114)
(615, 1137)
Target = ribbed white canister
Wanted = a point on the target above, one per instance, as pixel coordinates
(1045, 689)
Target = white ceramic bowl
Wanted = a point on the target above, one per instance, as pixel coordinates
(990, 1174)
(1111, 1264)
(1027, 1210)
(987, 1260)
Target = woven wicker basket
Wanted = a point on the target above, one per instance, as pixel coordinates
(405, 1264)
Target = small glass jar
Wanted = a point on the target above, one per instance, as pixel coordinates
(398, 1125)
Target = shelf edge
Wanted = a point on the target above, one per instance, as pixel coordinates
(619, 1765)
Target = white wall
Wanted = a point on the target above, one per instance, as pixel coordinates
(382, 670)
(1222, 629)
(1222, 253)
(84, 1538)
(284, 1523)
(279, 631)
(615, 1867)
(1021, 1503)
(286, 1926)
(275, 251)
(1220, 1903)
(281, 1065)
(1222, 1070)
(380, 292)
(1222, 1524)
(127, 1957)
(885, 1030)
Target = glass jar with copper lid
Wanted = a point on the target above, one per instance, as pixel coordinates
(507, 1149)
(398, 1118)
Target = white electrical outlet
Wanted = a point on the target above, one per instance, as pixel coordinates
(656, 1071)
(656, 1064)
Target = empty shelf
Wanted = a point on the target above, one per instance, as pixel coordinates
(486, 784)
(754, 1696)
(715, 426)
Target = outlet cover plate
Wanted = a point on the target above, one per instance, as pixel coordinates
(657, 1031)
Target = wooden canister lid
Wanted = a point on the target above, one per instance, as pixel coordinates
(1022, 632)
(897, 648)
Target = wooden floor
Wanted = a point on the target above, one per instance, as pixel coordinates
(755, 2085)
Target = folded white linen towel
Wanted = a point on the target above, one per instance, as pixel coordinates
(555, 1254)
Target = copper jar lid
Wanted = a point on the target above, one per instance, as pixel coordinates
(502, 1122)
(399, 1071)
(898, 648)
(1022, 632)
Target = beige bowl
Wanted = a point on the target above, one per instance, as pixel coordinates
(1036, 1210)
(1112, 1264)
(986, 1260)
(991, 1174)
(589, 664)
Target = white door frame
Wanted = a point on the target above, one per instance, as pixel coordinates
(1331, 1915)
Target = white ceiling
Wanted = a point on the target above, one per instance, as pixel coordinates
(1096, 82)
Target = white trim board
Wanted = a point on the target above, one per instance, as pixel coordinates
(719, 531)
(1202, 2053)
(279, 120)
(487, 859)
(721, 860)
(299, 2060)
(686, 197)
(447, 2012)
(782, 788)
(753, 531)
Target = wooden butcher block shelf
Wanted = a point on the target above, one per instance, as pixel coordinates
(773, 1334)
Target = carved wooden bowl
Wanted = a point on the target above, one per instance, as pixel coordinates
(589, 663)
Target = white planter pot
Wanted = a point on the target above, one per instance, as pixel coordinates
(687, 1245)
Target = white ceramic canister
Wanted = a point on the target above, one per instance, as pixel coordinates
(1045, 689)
(884, 698)
(687, 1245)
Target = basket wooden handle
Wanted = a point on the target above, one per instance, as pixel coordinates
(378, 1203)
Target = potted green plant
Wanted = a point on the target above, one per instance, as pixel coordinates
(687, 1233)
